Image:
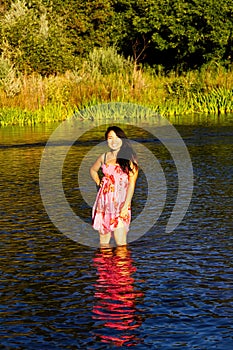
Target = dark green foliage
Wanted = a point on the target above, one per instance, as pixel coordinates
(53, 36)
(177, 34)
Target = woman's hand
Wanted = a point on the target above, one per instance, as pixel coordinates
(99, 185)
(124, 211)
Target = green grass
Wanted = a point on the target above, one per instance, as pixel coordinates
(55, 98)
(16, 116)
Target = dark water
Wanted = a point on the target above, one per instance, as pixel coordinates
(164, 291)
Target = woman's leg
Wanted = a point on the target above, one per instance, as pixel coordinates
(105, 239)
(120, 236)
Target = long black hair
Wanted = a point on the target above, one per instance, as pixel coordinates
(126, 155)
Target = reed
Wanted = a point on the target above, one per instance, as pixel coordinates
(47, 114)
(55, 98)
(217, 101)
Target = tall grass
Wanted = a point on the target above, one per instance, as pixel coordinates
(107, 77)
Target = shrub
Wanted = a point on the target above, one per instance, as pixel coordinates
(106, 61)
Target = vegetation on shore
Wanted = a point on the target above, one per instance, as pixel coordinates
(58, 57)
(108, 77)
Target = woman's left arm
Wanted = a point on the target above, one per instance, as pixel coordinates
(130, 191)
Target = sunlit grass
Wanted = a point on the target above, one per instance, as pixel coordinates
(55, 98)
(47, 114)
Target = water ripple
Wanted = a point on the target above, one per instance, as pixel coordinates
(165, 291)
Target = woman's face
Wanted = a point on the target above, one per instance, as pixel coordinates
(114, 142)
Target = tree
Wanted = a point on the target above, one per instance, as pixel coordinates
(34, 42)
(186, 33)
(47, 36)
(87, 23)
(52, 36)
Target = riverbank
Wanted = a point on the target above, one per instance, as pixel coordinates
(30, 100)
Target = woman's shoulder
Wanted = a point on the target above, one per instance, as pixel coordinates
(107, 159)
(102, 158)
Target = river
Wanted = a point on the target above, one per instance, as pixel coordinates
(165, 290)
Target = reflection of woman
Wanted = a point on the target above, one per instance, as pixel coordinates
(112, 208)
(115, 295)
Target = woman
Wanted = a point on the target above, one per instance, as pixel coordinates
(112, 209)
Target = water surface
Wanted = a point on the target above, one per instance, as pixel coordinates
(164, 291)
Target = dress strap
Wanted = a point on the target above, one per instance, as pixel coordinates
(105, 154)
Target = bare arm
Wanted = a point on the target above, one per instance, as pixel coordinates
(130, 191)
(95, 168)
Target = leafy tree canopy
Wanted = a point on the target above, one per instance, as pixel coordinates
(52, 36)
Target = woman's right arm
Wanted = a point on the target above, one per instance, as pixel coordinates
(95, 168)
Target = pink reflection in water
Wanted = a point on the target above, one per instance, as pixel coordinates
(115, 296)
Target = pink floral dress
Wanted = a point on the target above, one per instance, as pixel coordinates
(110, 199)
